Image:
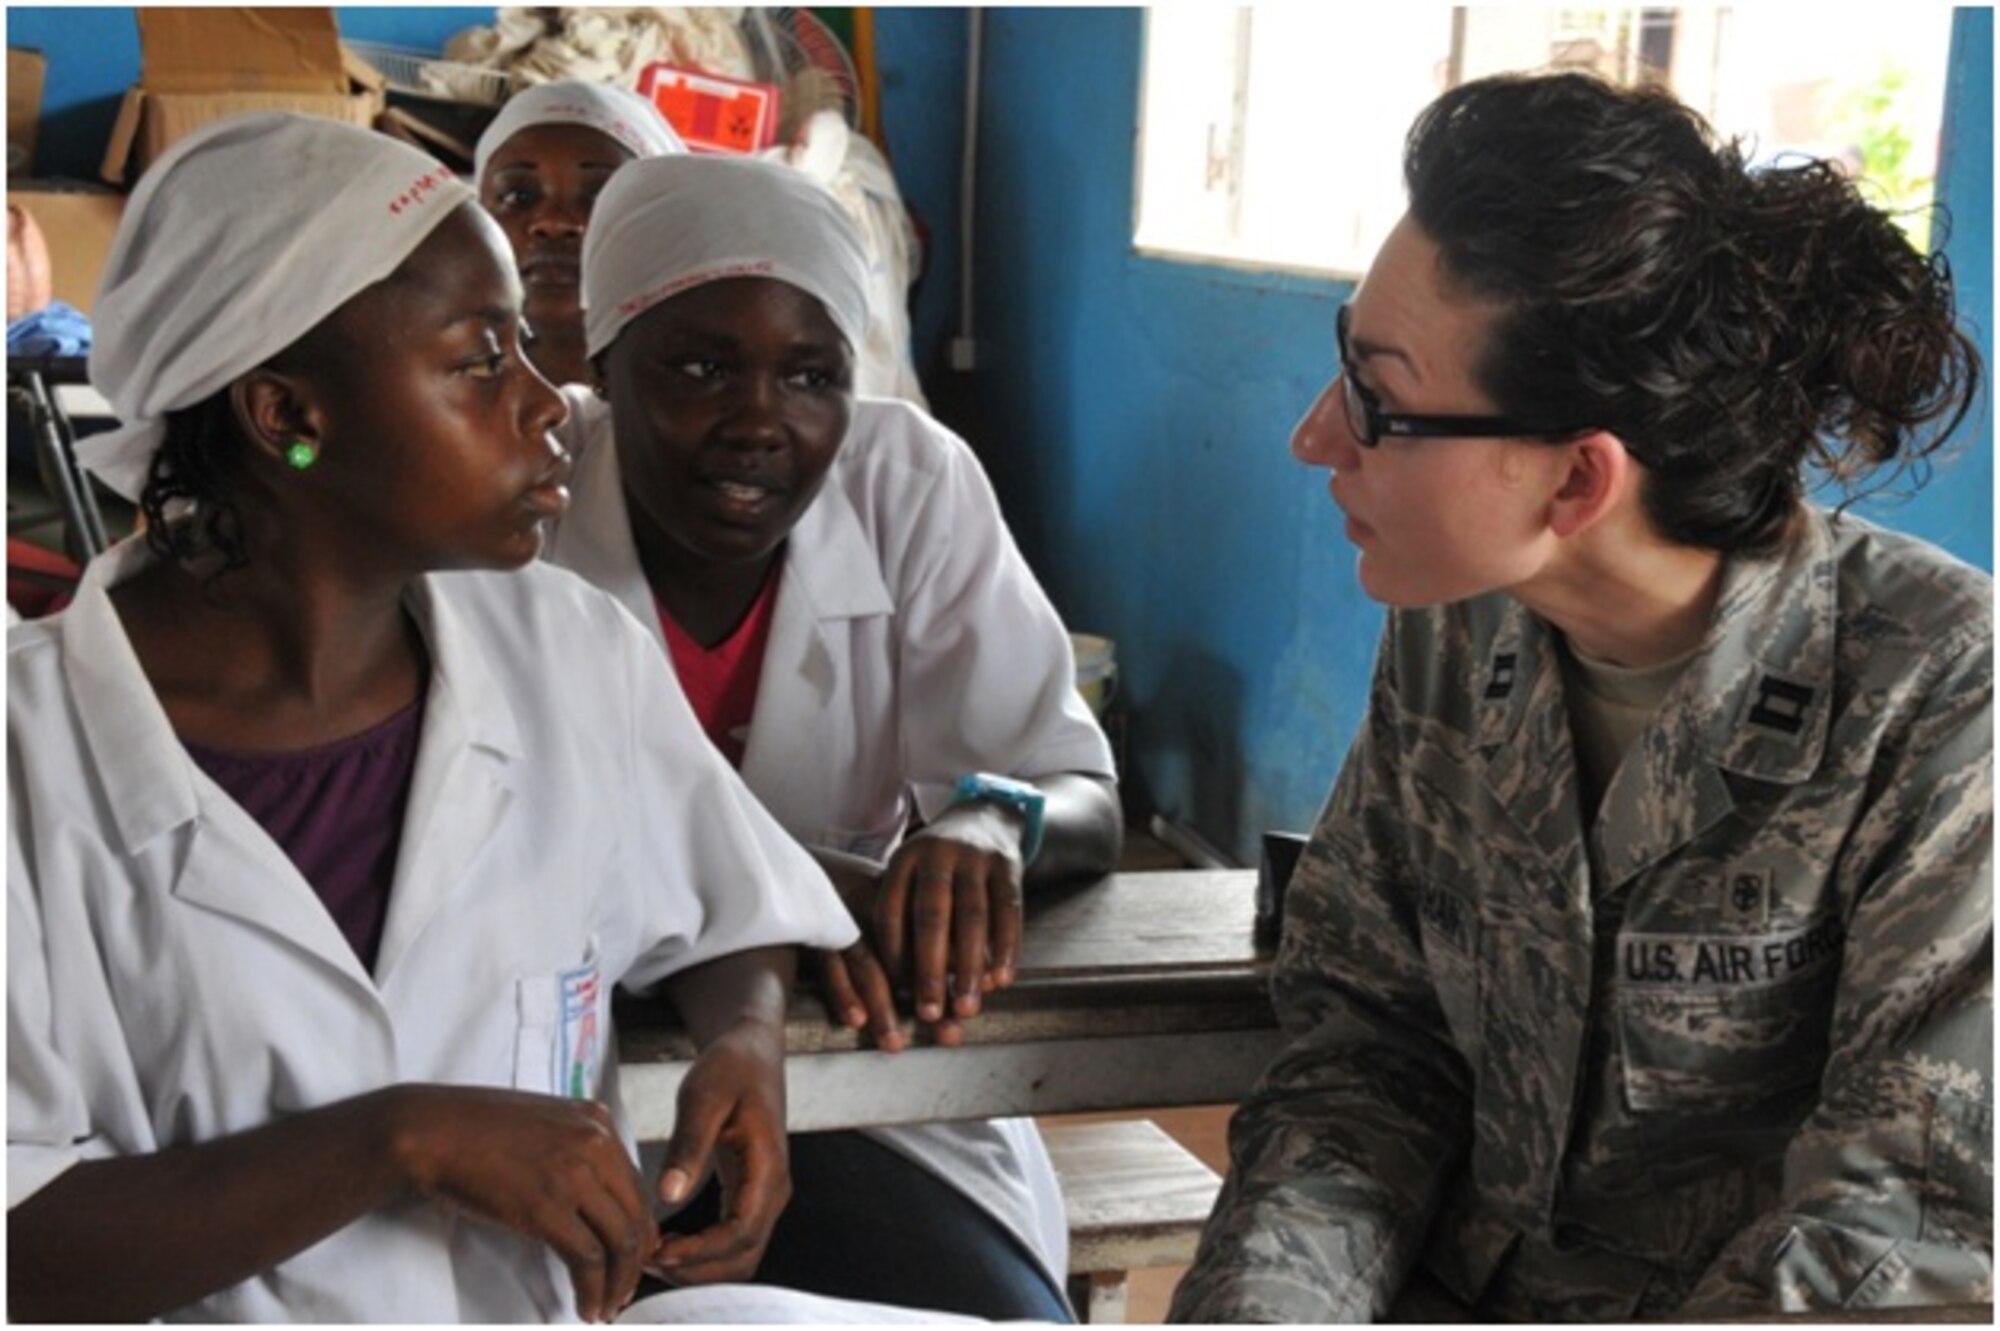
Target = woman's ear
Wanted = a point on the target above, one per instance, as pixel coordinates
(1598, 476)
(275, 412)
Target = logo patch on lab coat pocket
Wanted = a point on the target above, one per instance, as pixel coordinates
(560, 1046)
(579, 1049)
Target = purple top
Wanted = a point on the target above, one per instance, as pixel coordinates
(336, 810)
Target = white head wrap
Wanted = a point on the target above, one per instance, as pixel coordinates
(664, 226)
(620, 113)
(237, 242)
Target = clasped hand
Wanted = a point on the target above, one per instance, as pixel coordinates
(555, 1170)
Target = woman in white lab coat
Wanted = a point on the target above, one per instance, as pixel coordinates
(842, 602)
(540, 165)
(322, 859)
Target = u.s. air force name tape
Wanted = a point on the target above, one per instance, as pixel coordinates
(1689, 960)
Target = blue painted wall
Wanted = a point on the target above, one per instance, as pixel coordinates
(920, 58)
(1956, 510)
(1135, 414)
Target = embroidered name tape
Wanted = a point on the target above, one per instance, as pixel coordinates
(1685, 961)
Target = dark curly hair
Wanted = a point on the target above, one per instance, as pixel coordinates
(189, 497)
(187, 501)
(1727, 324)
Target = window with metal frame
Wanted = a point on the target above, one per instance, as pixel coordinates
(1271, 135)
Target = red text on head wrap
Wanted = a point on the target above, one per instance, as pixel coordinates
(420, 189)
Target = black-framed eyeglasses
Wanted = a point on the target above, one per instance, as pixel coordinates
(1371, 424)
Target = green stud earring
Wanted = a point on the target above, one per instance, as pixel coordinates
(301, 455)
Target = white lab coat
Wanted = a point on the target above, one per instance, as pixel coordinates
(910, 644)
(172, 978)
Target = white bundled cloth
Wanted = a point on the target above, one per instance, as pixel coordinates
(535, 45)
(859, 176)
(619, 113)
(669, 224)
(237, 242)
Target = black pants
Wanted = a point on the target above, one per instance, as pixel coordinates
(866, 1223)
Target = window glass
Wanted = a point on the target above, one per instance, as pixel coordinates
(1272, 136)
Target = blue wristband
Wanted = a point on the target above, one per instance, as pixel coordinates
(1029, 800)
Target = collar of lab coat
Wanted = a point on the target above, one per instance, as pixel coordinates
(830, 559)
(149, 780)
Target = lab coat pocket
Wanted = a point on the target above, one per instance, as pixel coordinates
(560, 1044)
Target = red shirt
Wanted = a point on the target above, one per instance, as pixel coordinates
(721, 681)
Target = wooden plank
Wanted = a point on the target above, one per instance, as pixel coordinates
(867, 1088)
(1134, 954)
(1134, 1196)
(1180, 920)
(1077, 1007)
(1140, 991)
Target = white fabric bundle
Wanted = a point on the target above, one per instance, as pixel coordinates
(606, 45)
(623, 115)
(847, 164)
(236, 243)
(669, 224)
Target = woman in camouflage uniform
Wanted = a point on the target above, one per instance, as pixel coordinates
(1640, 965)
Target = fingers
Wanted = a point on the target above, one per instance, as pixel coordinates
(931, 910)
(1005, 915)
(955, 910)
(859, 992)
(581, 1250)
(622, 1239)
(756, 1186)
(698, 1120)
(968, 941)
(592, 1211)
(553, 1170)
(725, 1251)
(878, 997)
(837, 984)
(890, 909)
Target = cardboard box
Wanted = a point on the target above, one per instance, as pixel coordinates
(25, 70)
(78, 228)
(198, 65)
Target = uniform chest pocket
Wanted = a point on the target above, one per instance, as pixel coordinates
(564, 1030)
(1727, 1048)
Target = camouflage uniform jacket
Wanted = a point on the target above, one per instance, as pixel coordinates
(1726, 1050)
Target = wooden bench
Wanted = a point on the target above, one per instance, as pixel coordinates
(1135, 1198)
